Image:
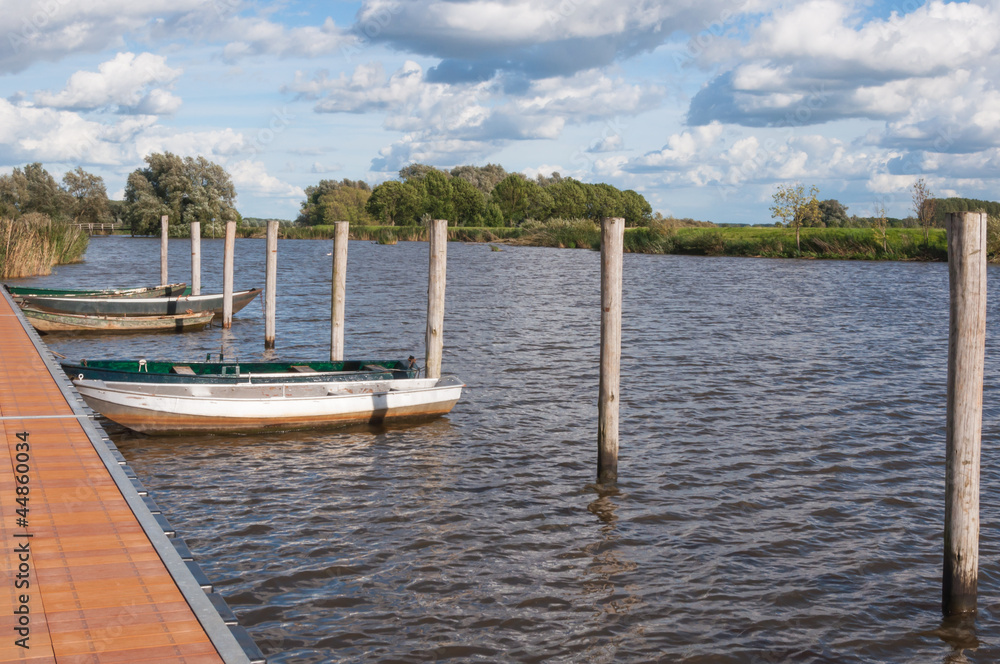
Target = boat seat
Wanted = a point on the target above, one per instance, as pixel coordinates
(302, 368)
(375, 367)
(183, 369)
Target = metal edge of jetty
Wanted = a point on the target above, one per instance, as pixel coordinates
(231, 641)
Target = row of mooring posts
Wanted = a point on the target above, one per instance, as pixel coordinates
(966, 358)
(438, 235)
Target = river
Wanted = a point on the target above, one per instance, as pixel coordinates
(781, 475)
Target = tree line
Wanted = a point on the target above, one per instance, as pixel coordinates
(478, 196)
(185, 189)
(31, 190)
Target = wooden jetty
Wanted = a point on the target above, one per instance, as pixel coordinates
(89, 571)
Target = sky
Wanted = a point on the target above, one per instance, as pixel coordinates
(703, 106)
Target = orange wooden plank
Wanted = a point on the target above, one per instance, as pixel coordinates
(96, 590)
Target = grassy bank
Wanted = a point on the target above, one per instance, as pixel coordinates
(32, 244)
(838, 243)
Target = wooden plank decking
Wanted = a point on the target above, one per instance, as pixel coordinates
(85, 574)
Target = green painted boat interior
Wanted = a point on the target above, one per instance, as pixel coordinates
(222, 368)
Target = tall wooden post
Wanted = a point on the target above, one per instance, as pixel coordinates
(270, 283)
(612, 243)
(229, 249)
(436, 277)
(196, 258)
(338, 290)
(966, 358)
(164, 235)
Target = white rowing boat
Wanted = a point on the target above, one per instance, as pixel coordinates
(161, 408)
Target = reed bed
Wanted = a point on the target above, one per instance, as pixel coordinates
(32, 244)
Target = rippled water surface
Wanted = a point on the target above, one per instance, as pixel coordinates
(781, 469)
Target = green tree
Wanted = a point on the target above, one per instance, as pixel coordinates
(469, 202)
(635, 208)
(493, 218)
(541, 203)
(833, 214)
(90, 196)
(483, 178)
(569, 199)
(331, 201)
(188, 189)
(33, 189)
(513, 196)
(794, 208)
(394, 203)
(437, 192)
(415, 172)
(603, 200)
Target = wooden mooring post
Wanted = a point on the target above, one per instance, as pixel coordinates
(164, 235)
(338, 289)
(612, 244)
(229, 250)
(196, 258)
(271, 283)
(436, 278)
(964, 423)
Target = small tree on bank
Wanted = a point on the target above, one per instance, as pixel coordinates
(923, 206)
(880, 223)
(794, 208)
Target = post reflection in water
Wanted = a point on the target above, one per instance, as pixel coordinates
(959, 632)
(608, 586)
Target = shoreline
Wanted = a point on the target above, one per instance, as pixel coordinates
(898, 244)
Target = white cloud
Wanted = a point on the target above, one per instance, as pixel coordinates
(727, 157)
(256, 36)
(252, 176)
(129, 82)
(216, 144)
(449, 122)
(537, 39)
(611, 143)
(41, 134)
(50, 31)
(816, 61)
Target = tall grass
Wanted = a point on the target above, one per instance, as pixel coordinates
(563, 233)
(32, 244)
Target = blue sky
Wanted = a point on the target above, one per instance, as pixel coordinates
(703, 106)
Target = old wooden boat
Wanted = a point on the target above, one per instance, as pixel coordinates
(49, 321)
(139, 306)
(147, 291)
(158, 408)
(296, 371)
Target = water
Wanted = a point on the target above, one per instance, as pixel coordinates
(781, 469)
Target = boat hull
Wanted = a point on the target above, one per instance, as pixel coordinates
(139, 306)
(177, 409)
(48, 321)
